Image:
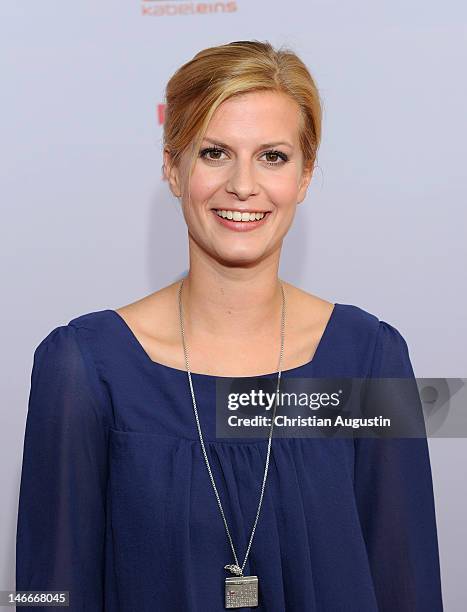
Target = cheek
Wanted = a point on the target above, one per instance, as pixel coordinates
(203, 188)
(282, 191)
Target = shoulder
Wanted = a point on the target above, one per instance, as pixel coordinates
(353, 319)
(350, 320)
(68, 344)
(67, 337)
(364, 337)
(152, 319)
(68, 359)
(359, 320)
(385, 347)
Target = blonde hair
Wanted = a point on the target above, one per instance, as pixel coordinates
(215, 74)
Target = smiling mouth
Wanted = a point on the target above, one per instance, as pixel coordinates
(241, 216)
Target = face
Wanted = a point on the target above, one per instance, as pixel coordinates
(236, 173)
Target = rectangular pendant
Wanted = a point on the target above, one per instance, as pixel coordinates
(241, 591)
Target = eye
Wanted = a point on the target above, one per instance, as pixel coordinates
(210, 150)
(282, 156)
(216, 151)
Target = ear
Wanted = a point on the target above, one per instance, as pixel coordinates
(172, 174)
(305, 181)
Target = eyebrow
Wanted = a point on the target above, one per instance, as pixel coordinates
(261, 146)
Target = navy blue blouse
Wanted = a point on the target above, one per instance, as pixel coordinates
(117, 507)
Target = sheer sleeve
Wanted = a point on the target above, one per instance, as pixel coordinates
(61, 512)
(394, 493)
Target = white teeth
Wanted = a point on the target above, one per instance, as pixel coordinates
(238, 216)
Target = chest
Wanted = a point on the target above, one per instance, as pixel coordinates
(236, 357)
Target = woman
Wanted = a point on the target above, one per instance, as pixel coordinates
(117, 502)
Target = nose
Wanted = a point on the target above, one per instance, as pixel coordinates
(242, 180)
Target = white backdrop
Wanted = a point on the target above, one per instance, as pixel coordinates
(87, 222)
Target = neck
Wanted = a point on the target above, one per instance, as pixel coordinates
(224, 302)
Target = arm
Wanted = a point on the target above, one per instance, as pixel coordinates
(394, 494)
(61, 513)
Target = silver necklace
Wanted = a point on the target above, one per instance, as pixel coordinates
(240, 590)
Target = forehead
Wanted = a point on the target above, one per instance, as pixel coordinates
(256, 116)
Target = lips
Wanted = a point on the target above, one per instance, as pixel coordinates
(241, 226)
(242, 210)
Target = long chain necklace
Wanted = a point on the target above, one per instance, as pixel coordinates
(240, 590)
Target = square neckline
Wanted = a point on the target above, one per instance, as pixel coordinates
(156, 364)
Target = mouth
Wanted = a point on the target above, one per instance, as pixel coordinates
(241, 221)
